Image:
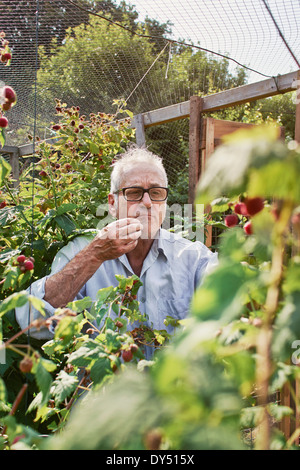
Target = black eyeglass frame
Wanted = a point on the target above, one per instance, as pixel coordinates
(144, 191)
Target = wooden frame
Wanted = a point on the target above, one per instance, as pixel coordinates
(194, 109)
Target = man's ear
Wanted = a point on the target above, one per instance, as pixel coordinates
(112, 205)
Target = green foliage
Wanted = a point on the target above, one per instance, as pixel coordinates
(208, 382)
(213, 383)
(60, 191)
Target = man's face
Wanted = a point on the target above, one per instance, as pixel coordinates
(150, 213)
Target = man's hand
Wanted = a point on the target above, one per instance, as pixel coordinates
(116, 239)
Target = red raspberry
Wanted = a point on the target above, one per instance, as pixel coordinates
(254, 205)
(56, 127)
(3, 121)
(134, 348)
(2, 204)
(28, 265)
(9, 94)
(127, 355)
(231, 220)
(7, 56)
(21, 259)
(248, 228)
(240, 208)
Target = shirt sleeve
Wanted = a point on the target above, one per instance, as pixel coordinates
(208, 262)
(27, 313)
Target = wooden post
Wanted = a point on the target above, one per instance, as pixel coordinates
(297, 139)
(14, 162)
(287, 426)
(196, 104)
(140, 130)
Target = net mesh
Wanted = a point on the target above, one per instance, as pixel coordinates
(153, 54)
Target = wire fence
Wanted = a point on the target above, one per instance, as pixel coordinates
(89, 53)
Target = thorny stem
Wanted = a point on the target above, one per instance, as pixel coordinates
(16, 404)
(79, 386)
(15, 202)
(51, 178)
(264, 365)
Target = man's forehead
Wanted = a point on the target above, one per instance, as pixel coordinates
(143, 173)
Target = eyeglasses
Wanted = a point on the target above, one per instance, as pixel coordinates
(136, 193)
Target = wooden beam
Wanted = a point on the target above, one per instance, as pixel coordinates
(140, 130)
(9, 149)
(224, 99)
(167, 114)
(194, 144)
(252, 92)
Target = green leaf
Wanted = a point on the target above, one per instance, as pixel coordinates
(228, 167)
(94, 148)
(11, 278)
(278, 179)
(43, 379)
(279, 411)
(3, 393)
(251, 416)
(221, 294)
(37, 303)
(66, 208)
(67, 328)
(287, 329)
(2, 143)
(100, 369)
(66, 223)
(86, 354)
(18, 299)
(112, 341)
(80, 305)
(63, 386)
(5, 168)
(104, 294)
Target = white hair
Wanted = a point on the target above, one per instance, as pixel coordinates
(128, 160)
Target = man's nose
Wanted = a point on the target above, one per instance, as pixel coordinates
(146, 200)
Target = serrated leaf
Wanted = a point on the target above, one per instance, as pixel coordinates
(37, 303)
(94, 148)
(100, 369)
(18, 299)
(63, 386)
(66, 223)
(103, 294)
(66, 208)
(112, 341)
(80, 305)
(85, 354)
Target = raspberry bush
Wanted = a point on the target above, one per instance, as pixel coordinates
(215, 381)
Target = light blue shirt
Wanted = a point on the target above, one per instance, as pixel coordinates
(171, 272)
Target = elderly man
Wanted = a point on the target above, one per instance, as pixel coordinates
(170, 267)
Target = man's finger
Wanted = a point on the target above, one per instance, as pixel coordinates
(129, 230)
